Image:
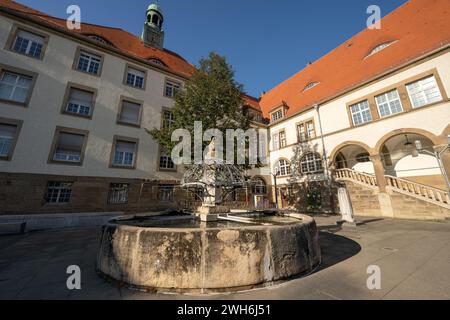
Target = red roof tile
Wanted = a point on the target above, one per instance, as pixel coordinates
(418, 27)
(251, 102)
(122, 40)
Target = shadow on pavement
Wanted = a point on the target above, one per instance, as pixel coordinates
(336, 249)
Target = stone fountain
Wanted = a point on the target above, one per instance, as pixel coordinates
(212, 249)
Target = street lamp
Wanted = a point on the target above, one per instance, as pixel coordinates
(438, 156)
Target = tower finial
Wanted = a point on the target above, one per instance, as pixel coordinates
(153, 33)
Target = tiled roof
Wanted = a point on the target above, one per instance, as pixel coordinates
(417, 27)
(251, 102)
(121, 40)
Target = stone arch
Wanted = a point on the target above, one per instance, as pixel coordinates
(316, 164)
(346, 144)
(433, 138)
(260, 178)
(443, 138)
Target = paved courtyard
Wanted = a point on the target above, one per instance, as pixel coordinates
(414, 258)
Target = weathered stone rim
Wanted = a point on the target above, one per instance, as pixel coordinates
(302, 219)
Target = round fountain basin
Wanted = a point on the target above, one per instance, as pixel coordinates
(184, 255)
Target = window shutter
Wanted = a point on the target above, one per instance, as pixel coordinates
(123, 146)
(130, 112)
(30, 36)
(136, 72)
(70, 142)
(81, 97)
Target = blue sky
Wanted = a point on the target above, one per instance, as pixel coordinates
(266, 41)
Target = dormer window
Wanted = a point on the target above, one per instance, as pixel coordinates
(157, 62)
(100, 39)
(310, 86)
(277, 115)
(380, 47)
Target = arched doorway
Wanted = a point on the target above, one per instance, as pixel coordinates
(259, 193)
(401, 159)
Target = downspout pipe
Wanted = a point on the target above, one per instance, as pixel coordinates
(325, 157)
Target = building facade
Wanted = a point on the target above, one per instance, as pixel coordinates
(75, 106)
(355, 116)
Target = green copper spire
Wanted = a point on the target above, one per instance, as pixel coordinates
(153, 34)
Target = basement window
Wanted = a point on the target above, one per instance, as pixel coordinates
(58, 192)
(118, 193)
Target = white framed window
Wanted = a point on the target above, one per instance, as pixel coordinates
(389, 103)
(118, 193)
(276, 141)
(28, 43)
(58, 192)
(15, 87)
(89, 62)
(135, 78)
(424, 92)
(168, 119)
(310, 130)
(124, 153)
(130, 113)
(80, 102)
(306, 131)
(361, 112)
(7, 135)
(283, 141)
(165, 193)
(68, 147)
(171, 88)
(311, 163)
(301, 131)
(283, 167)
(277, 115)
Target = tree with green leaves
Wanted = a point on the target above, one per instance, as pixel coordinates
(211, 95)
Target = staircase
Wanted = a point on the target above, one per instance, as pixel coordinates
(366, 179)
(413, 189)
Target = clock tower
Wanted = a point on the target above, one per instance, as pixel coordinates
(153, 34)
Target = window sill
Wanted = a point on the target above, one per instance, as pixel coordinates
(117, 166)
(167, 170)
(65, 112)
(133, 125)
(41, 57)
(60, 204)
(98, 75)
(67, 163)
(6, 158)
(130, 86)
(17, 103)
